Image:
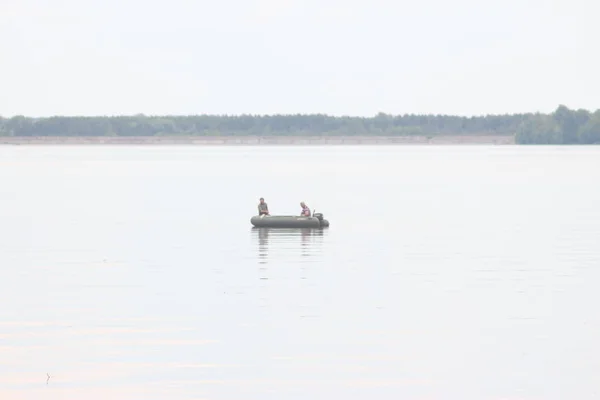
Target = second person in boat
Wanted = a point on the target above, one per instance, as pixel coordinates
(305, 210)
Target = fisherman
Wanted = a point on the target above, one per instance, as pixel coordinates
(305, 210)
(263, 209)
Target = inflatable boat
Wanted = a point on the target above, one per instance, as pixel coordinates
(289, 221)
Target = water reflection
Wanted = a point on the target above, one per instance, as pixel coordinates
(287, 242)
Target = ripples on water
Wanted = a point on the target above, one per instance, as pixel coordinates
(447, 273)
(289, 243)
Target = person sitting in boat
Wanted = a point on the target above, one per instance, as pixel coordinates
(263, 208)
(305, 210)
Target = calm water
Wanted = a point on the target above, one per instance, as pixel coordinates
(447, 273)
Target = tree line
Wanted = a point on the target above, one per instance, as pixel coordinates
(563, 126)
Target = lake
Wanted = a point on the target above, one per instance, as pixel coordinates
(448, 272)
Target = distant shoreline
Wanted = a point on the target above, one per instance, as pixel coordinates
(260, 140)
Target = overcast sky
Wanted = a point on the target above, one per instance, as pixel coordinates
(340, 57)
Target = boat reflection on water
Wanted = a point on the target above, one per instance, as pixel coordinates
(286, 243)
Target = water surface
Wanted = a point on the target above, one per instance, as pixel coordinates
(447, 273)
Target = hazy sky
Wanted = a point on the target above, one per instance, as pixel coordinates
(103, 57)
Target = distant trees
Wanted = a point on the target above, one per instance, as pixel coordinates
(564, 126)
(269, 125)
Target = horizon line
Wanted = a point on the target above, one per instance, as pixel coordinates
(258, 115)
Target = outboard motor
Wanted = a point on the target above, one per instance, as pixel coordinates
(322, 221)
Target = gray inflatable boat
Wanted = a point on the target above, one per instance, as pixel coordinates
(289, 221)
